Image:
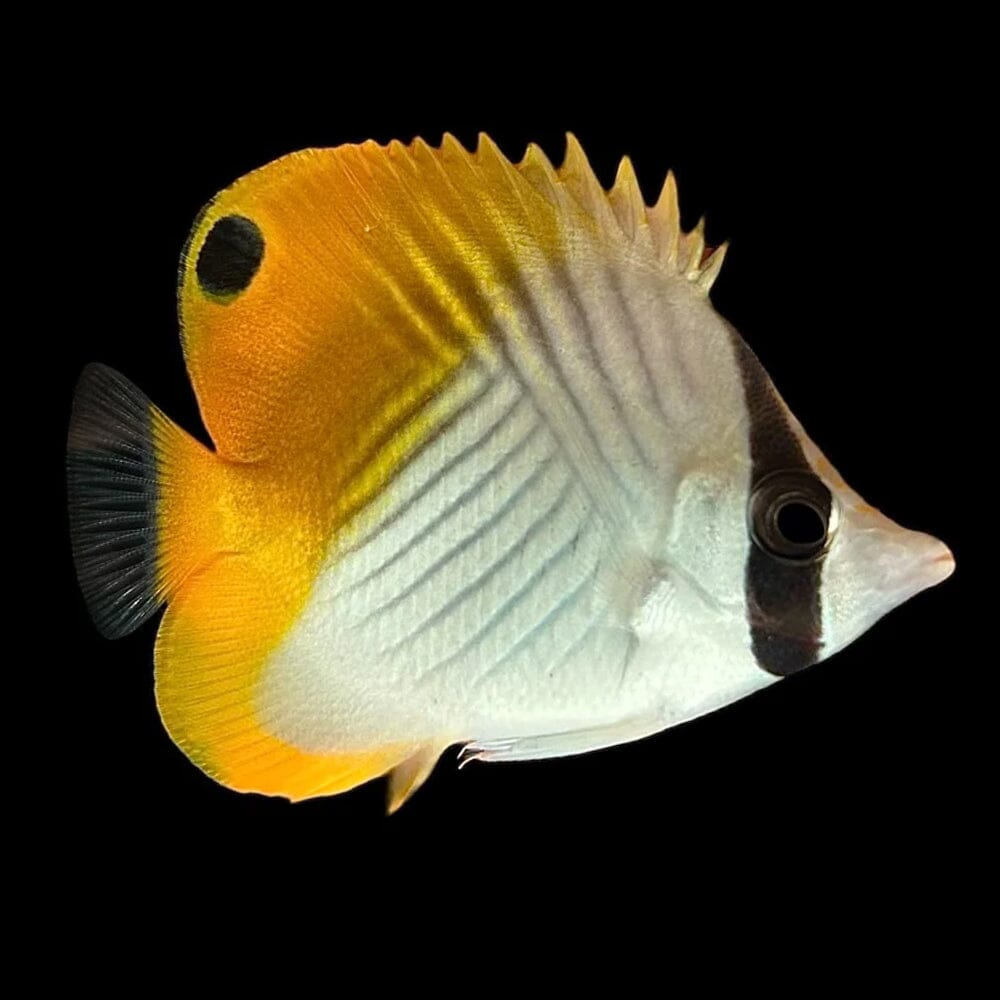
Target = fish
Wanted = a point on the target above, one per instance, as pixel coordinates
(487, 470)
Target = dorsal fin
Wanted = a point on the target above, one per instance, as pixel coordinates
(316, 286)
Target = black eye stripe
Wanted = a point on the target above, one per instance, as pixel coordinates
(230, 256)
(782, 593)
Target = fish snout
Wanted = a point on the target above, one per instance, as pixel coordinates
(873, 566)
(911, 561)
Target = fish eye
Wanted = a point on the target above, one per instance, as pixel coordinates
(230, 256)
(790, 515)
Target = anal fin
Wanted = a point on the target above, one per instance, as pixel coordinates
(407, 777)
(211, 652)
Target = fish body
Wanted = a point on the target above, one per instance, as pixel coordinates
(488, 470)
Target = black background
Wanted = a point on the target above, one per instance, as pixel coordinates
(845, 275)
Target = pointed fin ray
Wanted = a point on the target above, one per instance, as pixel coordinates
(626, 202)
(407, 777)
(711, 266)
(578, 176)
(692, 250)
(538, 170)
(665, 218)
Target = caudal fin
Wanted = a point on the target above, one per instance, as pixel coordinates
(121, 452)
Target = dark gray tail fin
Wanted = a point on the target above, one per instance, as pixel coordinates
(111, 471)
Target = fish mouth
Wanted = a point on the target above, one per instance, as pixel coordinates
(942, 565)
(926, 563)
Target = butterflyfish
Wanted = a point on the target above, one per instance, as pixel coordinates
(487, 469)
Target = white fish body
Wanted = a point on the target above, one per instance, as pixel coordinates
(547, 581)
(568, 540)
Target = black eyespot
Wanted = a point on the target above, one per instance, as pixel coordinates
(230, 256)
(790, 515)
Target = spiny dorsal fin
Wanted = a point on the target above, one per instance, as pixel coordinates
(683, 253)
(380, 257)
(656, 228)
